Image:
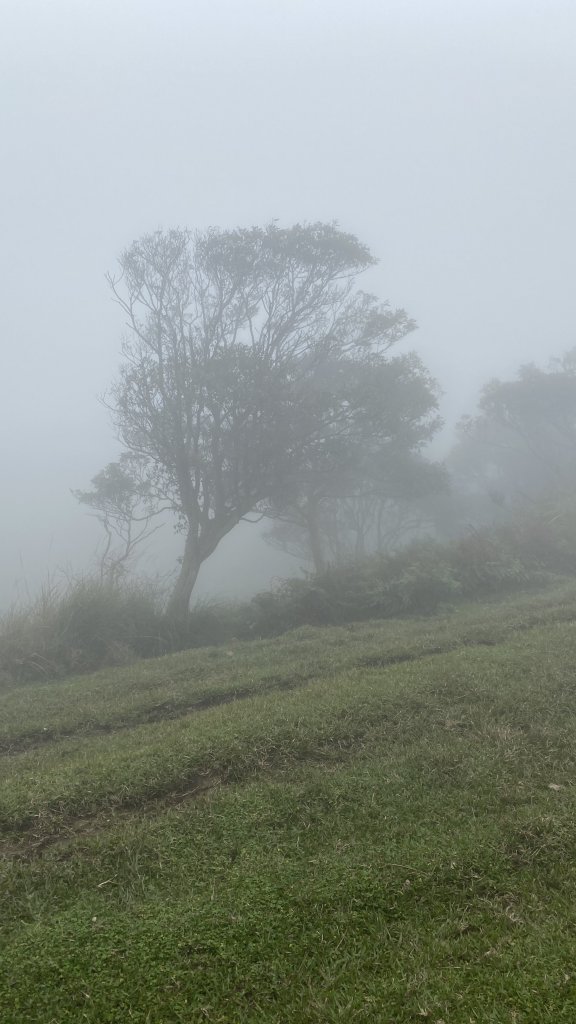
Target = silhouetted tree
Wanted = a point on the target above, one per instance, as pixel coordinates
(223, 396)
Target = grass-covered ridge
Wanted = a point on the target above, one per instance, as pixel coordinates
(182, 683)
(366, 823)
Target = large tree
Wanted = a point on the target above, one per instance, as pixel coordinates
(225, 391)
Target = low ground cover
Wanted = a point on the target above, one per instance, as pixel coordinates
(381, 829)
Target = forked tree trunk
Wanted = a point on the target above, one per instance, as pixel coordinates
(179, 603)
(197, 550)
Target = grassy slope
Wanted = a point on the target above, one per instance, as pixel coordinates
(382, 829)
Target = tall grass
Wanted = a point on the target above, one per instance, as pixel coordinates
(79, 626)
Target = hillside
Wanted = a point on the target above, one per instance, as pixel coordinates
(365, 823)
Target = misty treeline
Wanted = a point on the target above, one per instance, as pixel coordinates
(258, 380)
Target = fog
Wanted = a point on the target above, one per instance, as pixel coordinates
(440, 133)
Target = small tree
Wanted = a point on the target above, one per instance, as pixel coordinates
(124, 504)
(223, 395)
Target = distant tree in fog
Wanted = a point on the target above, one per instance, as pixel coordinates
(358, 488)
(522, 443)
(249, 353)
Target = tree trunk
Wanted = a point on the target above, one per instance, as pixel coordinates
(198, 547)
(315, 538)
(179, 603)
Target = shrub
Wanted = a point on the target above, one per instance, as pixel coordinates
(415, 580)
(487, 562)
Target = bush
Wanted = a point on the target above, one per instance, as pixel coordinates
(488, 562)
(417, 580)
(544, 536)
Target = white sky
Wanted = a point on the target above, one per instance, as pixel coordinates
(441, 133)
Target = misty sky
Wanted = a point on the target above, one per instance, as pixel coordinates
(441, 133)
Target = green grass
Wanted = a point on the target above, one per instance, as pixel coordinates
(180, 683)
(373, 823)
